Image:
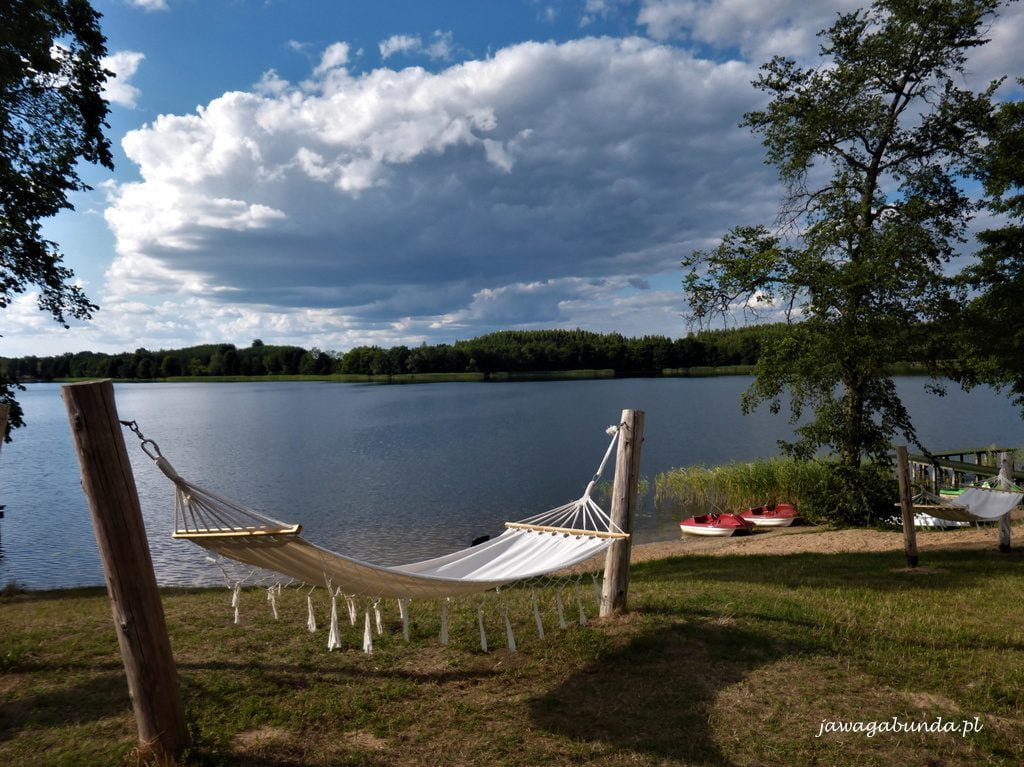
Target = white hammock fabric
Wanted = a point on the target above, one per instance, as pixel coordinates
(975, 504)
(546, 543)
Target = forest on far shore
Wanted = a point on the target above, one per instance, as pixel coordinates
(507, 351)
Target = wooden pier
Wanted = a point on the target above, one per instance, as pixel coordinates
(947, 468)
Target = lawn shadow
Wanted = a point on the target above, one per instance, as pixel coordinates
(102, 696)
(656, 694)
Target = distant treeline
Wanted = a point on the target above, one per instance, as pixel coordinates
(509, 351)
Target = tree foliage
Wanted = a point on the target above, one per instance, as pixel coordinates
(870, 144)
(991, 338)
(52, 115)
(522, 351)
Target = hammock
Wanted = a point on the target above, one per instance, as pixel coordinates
(541, 544)
(974, 504)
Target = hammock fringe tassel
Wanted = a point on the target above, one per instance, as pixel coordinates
(333, 641)
(235, 599)
(311, 616)
(373, 622)
(272, 598)
(483, 634)
(367, 635)
(403, 611)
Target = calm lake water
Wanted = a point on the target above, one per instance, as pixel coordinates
(394, 473)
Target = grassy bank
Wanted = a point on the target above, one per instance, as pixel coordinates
(724, 660)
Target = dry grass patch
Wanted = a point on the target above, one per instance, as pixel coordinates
(255, 740)
(801, 694)
(367, 740)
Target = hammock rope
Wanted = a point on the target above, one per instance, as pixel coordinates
(544, 543)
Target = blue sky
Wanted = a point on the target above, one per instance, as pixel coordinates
(353, 172)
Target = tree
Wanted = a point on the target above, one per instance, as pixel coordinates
(216, 366)
(870, 145)
(991, 341)
(170, 366)
(52, 115)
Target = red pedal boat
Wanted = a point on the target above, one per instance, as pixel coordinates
(720, 525)
(771, 515)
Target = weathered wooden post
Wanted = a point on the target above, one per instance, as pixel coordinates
(1005, 481)
(131, 583)
(906, 506)
(624, 500)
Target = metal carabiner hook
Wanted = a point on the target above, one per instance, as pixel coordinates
(156, 449)
(133, 427)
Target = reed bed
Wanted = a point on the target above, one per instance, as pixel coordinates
(736, 486)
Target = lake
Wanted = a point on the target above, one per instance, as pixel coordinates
(391, 473)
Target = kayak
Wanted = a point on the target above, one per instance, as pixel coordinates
(720, 525)
(779, 515)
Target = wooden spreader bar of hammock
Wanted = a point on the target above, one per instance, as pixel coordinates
(241, 533)
(566, 530)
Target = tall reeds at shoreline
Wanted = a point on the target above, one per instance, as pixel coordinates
(736, 486)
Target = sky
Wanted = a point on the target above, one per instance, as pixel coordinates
(333, 173)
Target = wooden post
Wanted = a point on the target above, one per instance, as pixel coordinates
(131, 583)
(624, 500)
(1005, 481)
(906, 506)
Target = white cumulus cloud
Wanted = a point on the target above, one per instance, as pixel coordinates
(399, 44)
(118, 89)
(524, 184)
(440, 46)
(333, 57)
(757, 30)
(149, 5)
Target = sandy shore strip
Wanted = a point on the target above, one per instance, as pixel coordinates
(822, 540)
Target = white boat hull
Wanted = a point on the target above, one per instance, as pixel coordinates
(771, 521)
(928, 522)
(716, 532)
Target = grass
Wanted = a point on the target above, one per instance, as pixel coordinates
(722, 661)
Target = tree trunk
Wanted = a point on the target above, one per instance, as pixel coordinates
(852, 438)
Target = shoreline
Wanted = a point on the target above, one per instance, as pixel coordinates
(823, 540)
(785, 542)
(584, 374)
(906, 370)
